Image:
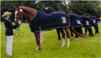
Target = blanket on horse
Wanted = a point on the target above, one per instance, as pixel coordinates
(45, 21)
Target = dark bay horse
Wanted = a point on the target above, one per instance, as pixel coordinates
(39, 21)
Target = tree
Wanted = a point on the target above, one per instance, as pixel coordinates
(88, 7)
(56, 5)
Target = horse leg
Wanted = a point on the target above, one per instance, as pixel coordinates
(68, 32)
(9, 45)
(68, 35)
(37, 36)
(86, 30)
(71, 30)
(63, 37)
(96, 28)
(58, 33)
(90, 31)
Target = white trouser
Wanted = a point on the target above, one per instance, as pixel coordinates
(9, 45)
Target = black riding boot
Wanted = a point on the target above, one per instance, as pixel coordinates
(60, 32)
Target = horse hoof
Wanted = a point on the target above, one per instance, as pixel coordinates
(9, 57)
(68, 46)
(38, 48)
(62, 45)
(68, 43)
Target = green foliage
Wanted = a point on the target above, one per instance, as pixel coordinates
(90, 7)
(82, 7)
(56, 5)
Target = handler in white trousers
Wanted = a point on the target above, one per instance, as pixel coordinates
(7, 18)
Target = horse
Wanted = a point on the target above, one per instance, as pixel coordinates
(39, 21)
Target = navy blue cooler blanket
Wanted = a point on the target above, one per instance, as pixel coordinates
(94, 20)
(48, 21)
(75, 21)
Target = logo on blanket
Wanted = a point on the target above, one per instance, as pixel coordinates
(63, 19)
(94, 21)
(87, 23)
(78, 22)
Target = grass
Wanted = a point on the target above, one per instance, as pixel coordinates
(24, 45)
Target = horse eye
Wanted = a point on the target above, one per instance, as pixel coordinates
(21, 10)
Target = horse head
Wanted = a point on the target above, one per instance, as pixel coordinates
(18, 13)
(24, 10)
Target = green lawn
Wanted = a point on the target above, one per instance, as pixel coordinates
(24, 45)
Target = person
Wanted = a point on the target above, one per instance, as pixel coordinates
(9, 26)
